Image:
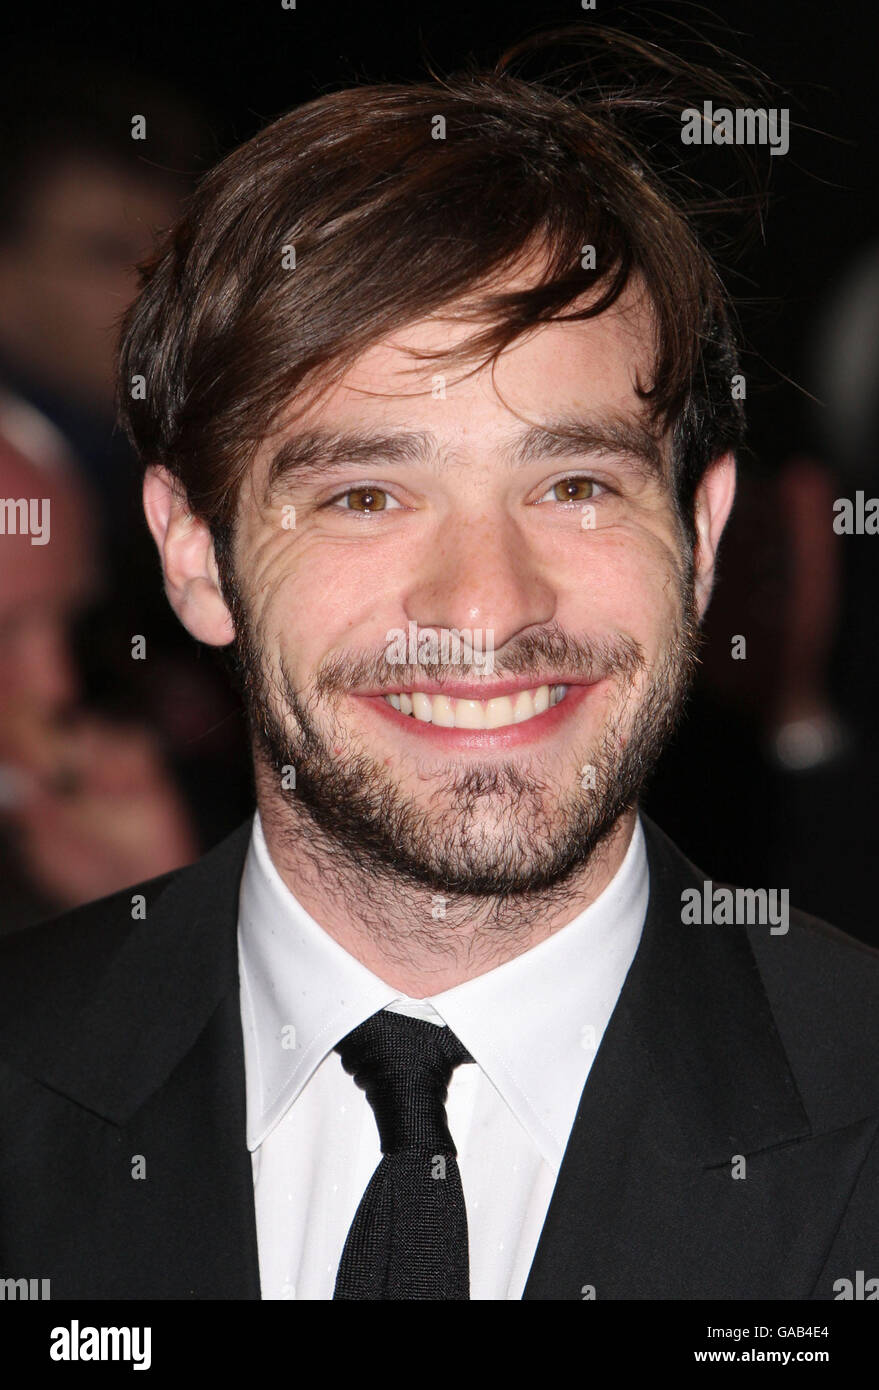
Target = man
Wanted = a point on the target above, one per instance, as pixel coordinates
(83, 191)
(86, 803)
(449, 1020)
(85, 183)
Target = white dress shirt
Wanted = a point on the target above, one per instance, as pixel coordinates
(532, 1025)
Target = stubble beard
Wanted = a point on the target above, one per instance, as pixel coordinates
(489, 829)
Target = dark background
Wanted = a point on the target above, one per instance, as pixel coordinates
(718, 792)
(244, 64)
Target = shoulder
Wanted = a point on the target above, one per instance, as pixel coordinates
(818, 974)
(75, 942)
(823, 990)
(50, 971)
(817, 987)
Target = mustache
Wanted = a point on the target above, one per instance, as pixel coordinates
(571, 660)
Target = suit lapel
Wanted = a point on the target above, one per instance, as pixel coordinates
(690, 1159)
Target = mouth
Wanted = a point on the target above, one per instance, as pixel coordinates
(497, 712)
(510, 716)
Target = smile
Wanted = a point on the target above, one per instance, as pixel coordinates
(496, 713)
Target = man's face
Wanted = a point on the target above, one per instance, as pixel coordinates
(43, 589)
(68, 276)
(467, 795)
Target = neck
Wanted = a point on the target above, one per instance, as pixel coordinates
(418, 940)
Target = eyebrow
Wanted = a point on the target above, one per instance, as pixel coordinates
(317, 451)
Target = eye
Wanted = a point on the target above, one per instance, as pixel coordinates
(574, 489)
(364, 499)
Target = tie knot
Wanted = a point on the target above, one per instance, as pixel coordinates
(404, 1065)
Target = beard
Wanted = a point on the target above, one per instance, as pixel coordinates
(486, 830)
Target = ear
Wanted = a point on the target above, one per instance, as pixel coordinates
(713, 504)
(186, 550)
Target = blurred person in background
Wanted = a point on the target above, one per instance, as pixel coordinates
(831, 799)
(94, 162)
(80, 203)
(789, 675)
(86, 805)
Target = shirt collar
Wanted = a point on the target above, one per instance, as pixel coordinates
(532, 1024)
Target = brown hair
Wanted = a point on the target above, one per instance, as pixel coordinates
(389, 223)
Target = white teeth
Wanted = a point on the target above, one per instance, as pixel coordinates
(422, 708)
(443, 712)
(496, 713)
(523, 706)
(470, 714)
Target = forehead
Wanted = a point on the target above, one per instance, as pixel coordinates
(584, 367)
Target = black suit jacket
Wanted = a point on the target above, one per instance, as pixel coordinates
(121, 1051)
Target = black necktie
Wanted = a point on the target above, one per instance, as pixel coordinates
(408, 1239)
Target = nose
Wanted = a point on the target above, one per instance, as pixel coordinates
(480, 573)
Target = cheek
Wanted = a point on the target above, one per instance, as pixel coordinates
(308, 595)
(626, 579)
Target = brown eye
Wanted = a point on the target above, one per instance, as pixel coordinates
(574, 490)
(366, 499)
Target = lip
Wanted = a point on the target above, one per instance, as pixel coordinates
(510, 736)
(470, 690)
